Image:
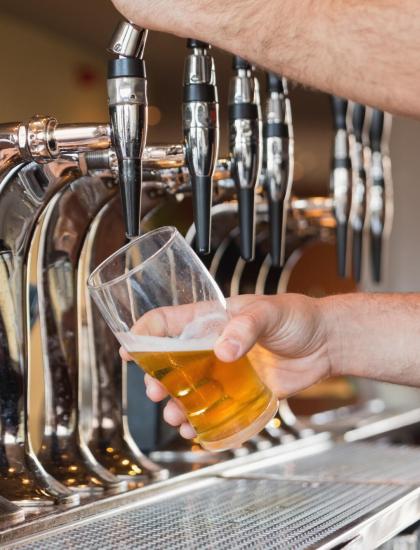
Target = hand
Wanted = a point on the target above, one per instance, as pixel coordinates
(292, 351)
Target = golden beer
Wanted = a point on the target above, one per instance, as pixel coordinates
(226, 403)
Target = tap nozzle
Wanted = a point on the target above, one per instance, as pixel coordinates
(377, 193)
(127, 101)
(278, 163)
(245, 134)
(341, 180)
(200, 118)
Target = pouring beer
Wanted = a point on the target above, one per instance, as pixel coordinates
(167, 312)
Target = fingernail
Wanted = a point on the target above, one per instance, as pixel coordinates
(228, 349)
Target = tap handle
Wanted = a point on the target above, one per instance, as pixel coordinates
(128, 40)
(339, 107)
(192, 43)
(200, 117)
(127, 102)
(239, 63)
(275, 84)
(358, 121)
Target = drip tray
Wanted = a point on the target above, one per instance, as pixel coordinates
(314, 495)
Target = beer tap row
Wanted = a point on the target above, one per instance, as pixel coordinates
(361, 185)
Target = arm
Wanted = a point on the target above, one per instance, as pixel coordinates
(372, 335)
(364, 50)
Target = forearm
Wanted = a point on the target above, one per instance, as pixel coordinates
(374, 335)
(365, 50)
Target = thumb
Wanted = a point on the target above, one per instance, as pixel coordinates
(249, 323)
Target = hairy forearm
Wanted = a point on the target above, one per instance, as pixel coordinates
(374, 335)
(365, 50)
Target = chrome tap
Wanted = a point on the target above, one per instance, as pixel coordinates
(341, 180)
(377, 197)
(127, 100)
(278, 160)
(200, 119)
(245, 149)
(358, 204)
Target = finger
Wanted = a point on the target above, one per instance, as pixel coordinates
(155, 391)
(253, 320)
(173, 414)
(187, 431)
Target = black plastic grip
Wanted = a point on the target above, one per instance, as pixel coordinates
(274, 83)
(339, 107)
(276, 129)
(193, 43)
(243, 111)
(130, 179)
(357, 251)
(275, 213)
(376, 256)
(246, 205)
(341, 235)
(358, 121)
(200, 92)
(376, 130)
(202, 188)
(126, 67)
(240, 63)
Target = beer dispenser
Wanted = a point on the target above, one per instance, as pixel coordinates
(278, 163)
(245, 135)
(358, 205)
(200, 118)
(377, 193)
(341, 180)
(127, 99)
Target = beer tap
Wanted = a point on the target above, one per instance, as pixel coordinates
(377, 193)
(200, 116)
(358, 206)
(245, 150)
(341, 179)
(278, 155)
(127, 99)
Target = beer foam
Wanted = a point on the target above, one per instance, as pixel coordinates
(141, 344)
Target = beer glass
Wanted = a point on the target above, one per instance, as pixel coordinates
(167, 311)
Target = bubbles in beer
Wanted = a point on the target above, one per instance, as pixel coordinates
(220, 399)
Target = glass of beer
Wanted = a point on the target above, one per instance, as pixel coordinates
(167, 311)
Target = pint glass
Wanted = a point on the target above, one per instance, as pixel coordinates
(167, 312)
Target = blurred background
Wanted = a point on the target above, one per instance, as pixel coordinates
(54, 62)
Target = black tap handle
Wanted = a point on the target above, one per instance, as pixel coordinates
(274, 83)
(376, 130)
(240, 63)
(358, 121)
(339, 106)
(246, 200)
(193, 43)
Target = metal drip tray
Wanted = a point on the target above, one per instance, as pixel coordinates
(234, 513)
(313, 494)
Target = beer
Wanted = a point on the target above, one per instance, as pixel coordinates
(226, 403)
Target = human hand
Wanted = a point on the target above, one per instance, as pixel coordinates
(292, 351)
